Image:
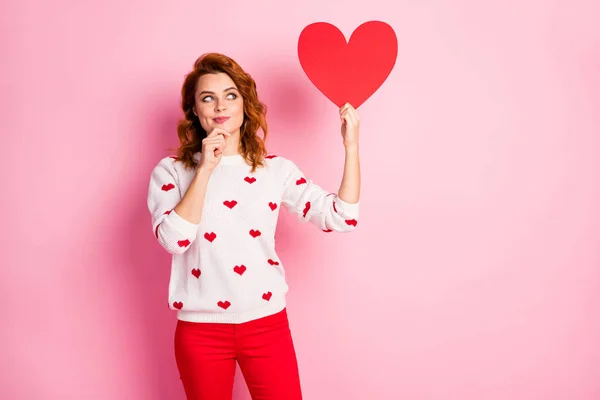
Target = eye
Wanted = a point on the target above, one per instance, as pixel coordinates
(207, 97)
(232, 96)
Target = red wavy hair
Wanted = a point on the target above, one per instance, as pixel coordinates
(191, 133)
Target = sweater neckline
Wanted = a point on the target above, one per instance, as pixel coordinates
(236, 159)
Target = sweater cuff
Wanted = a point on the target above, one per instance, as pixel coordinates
(347, 209)
(184, 227)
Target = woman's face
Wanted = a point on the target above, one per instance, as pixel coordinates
(218, 103)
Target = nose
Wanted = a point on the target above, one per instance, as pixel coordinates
(220, 105)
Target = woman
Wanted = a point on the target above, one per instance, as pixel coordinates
(214, 207)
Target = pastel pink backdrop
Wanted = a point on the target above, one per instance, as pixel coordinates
(474, 270)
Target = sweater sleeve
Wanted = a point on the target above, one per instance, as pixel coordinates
(174, 233)
(313, 204)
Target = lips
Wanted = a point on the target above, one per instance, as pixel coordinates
(220, 120)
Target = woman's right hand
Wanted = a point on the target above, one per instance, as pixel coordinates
(212, 149)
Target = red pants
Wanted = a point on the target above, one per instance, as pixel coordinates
(206, 354)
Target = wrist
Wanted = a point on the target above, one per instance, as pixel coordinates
(351, 147)
(203, 172)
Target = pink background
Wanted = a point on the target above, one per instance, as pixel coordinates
(474, 271)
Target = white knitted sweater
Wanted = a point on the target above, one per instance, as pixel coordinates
(225, 269)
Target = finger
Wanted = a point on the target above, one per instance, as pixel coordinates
(349, 117)
(212, 140)
(350, 120)
(216, 154)
(352, 114)
(217, 135)
(214, 146)
(218, 131)
(218, 138)
(348, 109)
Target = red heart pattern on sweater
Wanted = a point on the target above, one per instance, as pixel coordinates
(306, 208)
(271, 156)
(272, 262)
(273, 206)
(240, 269)
(230, 203)
(254, 233)
(300, 181)
(183, 243)
(196, 272)
(334, 207)
(210, 236)
(250, 179)
(167, 212)
(224, 304)
(351, 222)
(168, 187)
(178, 305)
(267, 296)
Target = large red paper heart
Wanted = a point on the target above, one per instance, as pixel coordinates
(348, 71)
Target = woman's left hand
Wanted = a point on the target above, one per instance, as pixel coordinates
(350, 125)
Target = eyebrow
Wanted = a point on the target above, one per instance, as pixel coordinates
(209, 92)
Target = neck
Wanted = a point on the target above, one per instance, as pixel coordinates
(232, 144)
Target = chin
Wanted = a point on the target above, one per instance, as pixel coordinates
(229, 126)
(232, 128)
